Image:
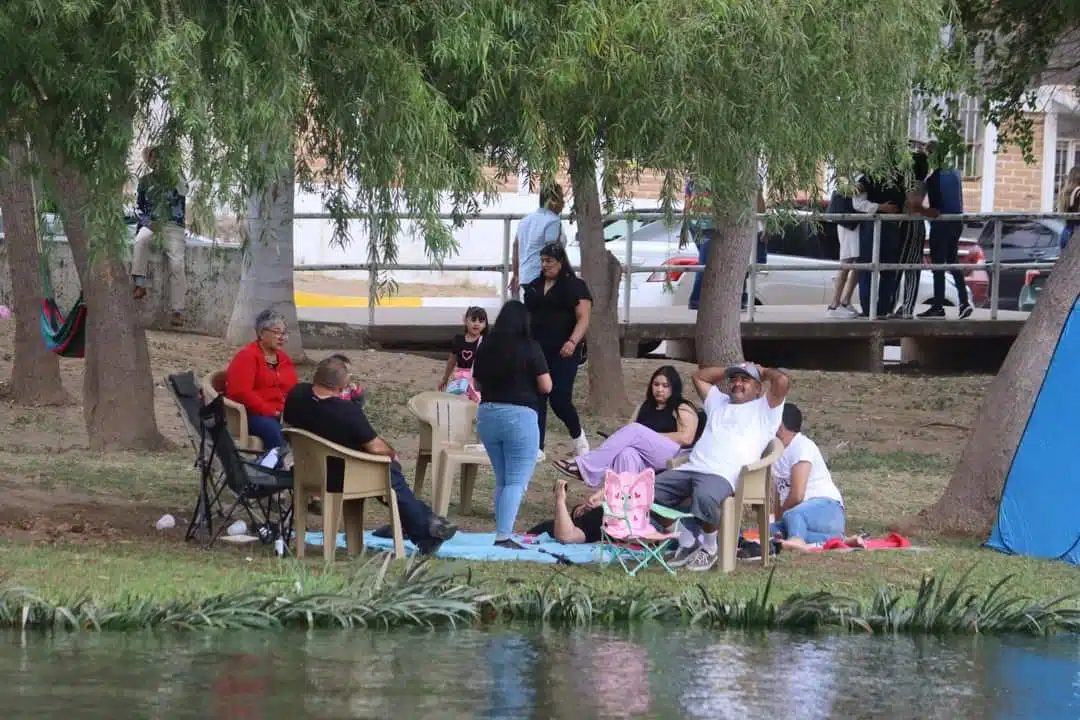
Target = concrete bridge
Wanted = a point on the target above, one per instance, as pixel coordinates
(789, 336)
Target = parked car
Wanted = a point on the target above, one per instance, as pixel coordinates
(1034, 282)
(1022, 241)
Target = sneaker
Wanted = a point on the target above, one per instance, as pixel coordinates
(581, 444)
(682, 555)
(509, 544)
(440, 529)
(540, 456)
(701, 560)
(933, 312)
(848, 312)
(965, 311)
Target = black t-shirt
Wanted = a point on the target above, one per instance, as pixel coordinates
(553, 313)
(497, 385)
(465, 351)
(335, 419)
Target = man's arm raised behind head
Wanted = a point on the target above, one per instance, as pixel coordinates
(705, 378)
(779, 384)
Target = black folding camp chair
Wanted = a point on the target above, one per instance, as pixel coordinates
(262, 495)
(185, 392)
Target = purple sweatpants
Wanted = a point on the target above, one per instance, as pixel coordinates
(631, 448)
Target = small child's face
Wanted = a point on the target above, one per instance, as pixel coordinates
(475, 326)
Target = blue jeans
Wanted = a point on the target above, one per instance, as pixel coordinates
(761, 252)
(815, 520)
(511, 437)
(415, 514)
(267, 429)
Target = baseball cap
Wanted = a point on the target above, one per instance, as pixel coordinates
(743, 369)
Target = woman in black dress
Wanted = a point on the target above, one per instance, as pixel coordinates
(559, 303)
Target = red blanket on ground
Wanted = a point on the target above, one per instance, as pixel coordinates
(892, 541)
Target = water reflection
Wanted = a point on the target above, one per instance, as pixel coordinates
(651, 672)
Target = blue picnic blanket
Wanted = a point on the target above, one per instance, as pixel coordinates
(481, 546)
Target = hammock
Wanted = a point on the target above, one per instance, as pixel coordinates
(64, 335)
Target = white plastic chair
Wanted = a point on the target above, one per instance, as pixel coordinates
(363, 476)
(754, 489)
(454, 445)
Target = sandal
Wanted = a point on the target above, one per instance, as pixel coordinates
(568, 468)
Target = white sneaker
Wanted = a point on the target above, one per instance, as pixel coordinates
(581, 444)
(540, 456)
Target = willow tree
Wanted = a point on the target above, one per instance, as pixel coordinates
(35, 372)
(229, 74)
(375, 139)
(769, 92)
(1007, 48)
(696, 86)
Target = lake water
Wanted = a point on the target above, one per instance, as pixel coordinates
(653, 672)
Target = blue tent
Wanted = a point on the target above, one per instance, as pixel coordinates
(1039, 514)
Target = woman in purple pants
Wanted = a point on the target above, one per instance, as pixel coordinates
(666, 423)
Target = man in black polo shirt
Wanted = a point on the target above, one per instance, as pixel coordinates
(320, 408)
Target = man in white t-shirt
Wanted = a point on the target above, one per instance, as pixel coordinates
(809, 508)
(739, 424)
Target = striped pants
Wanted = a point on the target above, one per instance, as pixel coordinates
(913, 240)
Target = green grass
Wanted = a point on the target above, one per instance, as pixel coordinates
(867, 425)
(379, 593)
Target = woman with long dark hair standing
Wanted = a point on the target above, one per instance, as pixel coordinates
(512, 376)
(560, 304)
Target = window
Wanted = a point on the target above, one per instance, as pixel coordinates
(1066, 156)
(972, 129)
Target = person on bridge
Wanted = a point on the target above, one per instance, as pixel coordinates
(945, 193)
(259, 377)
(541, 228)
(878, 196)
(560, 304)
(698, 225)
(740, 423)
(320, 407)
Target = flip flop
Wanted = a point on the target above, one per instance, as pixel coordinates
(567, 468)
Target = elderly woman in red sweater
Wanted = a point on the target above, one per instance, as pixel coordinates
(260, 376)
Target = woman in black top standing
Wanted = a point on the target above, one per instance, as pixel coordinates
(512, 376)
(560, 304)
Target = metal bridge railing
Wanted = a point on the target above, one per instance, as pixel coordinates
(875, 266)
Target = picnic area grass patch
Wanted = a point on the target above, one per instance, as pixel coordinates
(375, 592)
(75, 523)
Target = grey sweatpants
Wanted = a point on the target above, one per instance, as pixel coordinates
(699, 494)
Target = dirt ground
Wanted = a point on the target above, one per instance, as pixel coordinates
(897, 430)
(318, 282)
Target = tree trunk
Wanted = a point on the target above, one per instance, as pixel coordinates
(118, 385)
(35, 376)
(970, 502)
(600, 269)
(266, 279)
(718, 333)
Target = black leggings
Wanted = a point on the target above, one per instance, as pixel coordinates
(563, 372)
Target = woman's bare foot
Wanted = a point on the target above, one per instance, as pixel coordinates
(855, 541)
